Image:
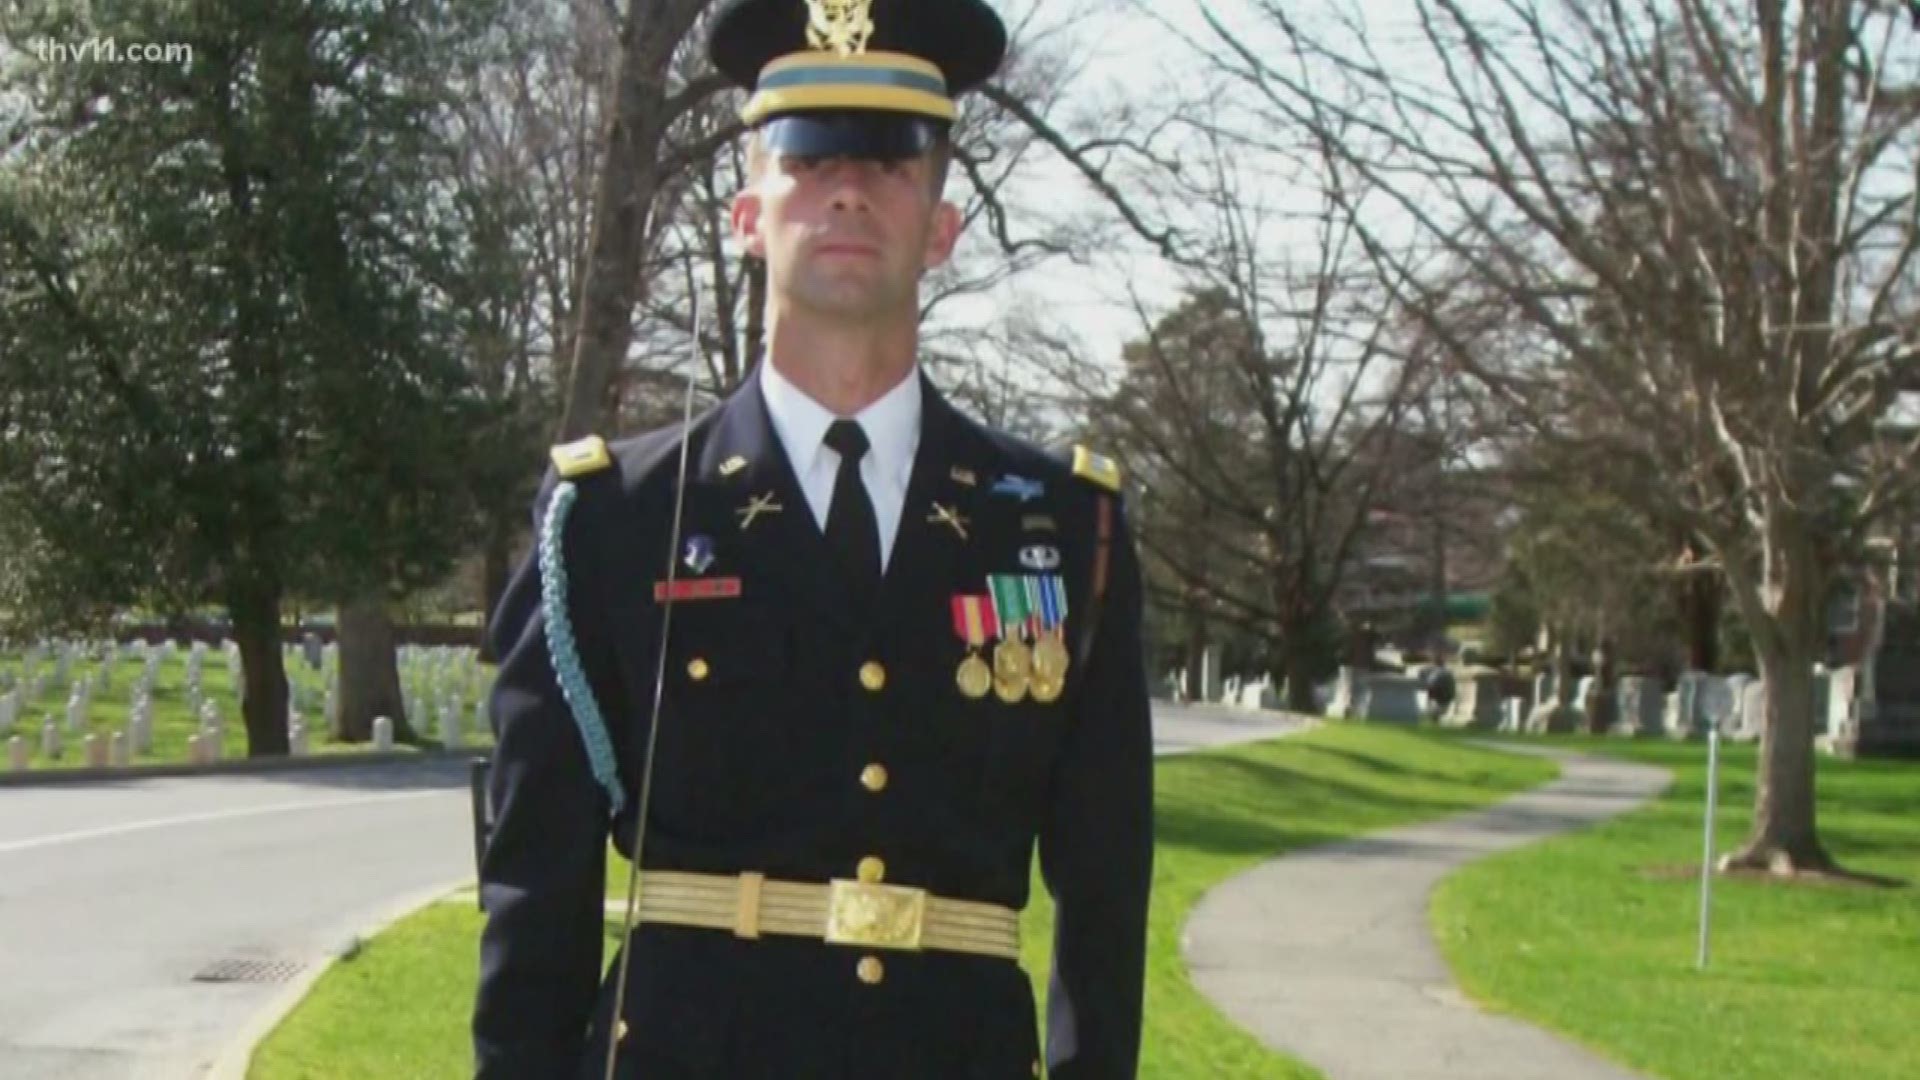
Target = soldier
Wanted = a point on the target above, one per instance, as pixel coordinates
(903, 649)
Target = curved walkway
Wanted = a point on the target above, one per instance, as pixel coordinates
(1326, 954)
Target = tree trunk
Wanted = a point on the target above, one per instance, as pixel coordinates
(1196, 656)
(263, 700)
(1784, 839)
(1300, 697)
(369, 672)
(630, 178)
(1787, 619)
(1700, 610)
(496, 566)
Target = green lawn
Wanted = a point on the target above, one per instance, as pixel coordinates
(400, 1008)
(1595, 934)
(111, 710)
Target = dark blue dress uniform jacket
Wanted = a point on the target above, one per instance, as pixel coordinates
(760, 763)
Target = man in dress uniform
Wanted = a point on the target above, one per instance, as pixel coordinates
(900, 650)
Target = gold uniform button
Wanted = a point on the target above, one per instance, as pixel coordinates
(620, 1030)
(1036, 1066)
(873, 676)
(697, 668)
(874, 777)
(871, 970)
(873, 870)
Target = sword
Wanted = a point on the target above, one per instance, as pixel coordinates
(659, 687)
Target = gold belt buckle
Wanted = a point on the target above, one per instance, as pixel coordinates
(875, 916)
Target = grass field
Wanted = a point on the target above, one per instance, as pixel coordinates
(1595, 934)
(173, 724)
(400, 1008)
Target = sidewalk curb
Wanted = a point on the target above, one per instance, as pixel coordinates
(236, 1058)
(240, 767)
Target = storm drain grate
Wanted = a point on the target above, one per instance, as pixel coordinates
(248, 971)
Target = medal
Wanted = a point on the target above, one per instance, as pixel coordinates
(1011, 670)
(1046, 691)
(974, 622)
(1050, 659)
(974, 678)
(1012, 664)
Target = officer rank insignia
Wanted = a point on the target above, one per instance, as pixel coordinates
(1028, 614)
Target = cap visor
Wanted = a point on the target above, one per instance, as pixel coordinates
(879, 136)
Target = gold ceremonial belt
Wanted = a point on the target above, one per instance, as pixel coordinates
(858, 913)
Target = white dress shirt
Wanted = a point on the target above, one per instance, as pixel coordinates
(892, 425)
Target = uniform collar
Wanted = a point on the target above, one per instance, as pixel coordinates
(892, 422)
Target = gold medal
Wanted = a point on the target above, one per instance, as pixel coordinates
(1046, 691)
(1011, 660)
(1050, 660)
(970, 614)
(974, 678)
(1012, 670)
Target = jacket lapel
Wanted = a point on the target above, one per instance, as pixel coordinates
(938, 521)
(749, 491)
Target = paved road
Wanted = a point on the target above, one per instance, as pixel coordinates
(1326, 954)
(114, 895)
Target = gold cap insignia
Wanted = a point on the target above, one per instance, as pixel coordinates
(840, 26)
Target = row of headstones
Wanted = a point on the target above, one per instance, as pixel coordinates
(1735, 702)
(1700, 701)
(14, 703)
(203, 746)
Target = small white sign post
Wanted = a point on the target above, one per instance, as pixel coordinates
(1716, 708)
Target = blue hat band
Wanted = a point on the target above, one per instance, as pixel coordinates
(853, 76)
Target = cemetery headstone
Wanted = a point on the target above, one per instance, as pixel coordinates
(1642, 706)
(1393, 699)
(1751, 715)
(1515, 718)
(96, 752)
(117, 755)
(450, 727)
(1210, 674)
(382, 733)
(17, 754)
(1477, 703)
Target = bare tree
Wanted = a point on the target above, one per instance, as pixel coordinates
(530, 143)
(1700, 219)
(647, 104)
(1264, 416)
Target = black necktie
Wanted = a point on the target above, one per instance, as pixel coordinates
(852, 529)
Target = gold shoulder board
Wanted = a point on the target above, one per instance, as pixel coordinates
(581, 457)
(1088, 465)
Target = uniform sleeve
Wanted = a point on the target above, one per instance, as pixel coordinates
(542, 876)
(1096, 848)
